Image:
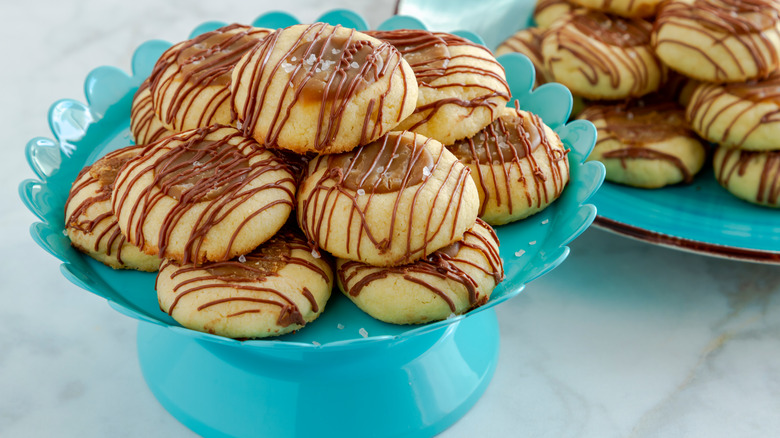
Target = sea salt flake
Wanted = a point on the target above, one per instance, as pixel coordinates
(520, 253)
(361, 192)
(354, 64)
(335, 51)
(315, 254)
(197, 163)
(532, 243)
(445, 63)
(310, 60)
(287, 67)
(363, 332)
(546, 221)
(340, 326)
(242, 258)
(316, 343)
(294, 58)
(426, 171)
(239, 125)
(317, 70)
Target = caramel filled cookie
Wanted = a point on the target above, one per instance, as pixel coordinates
(320, 88)
(90, 222)
(208, 194)
(547, 11)
(518, 163)
(624, 8)
(602, 57)
(740, 115)
(753, 176)
(719, 40)
(277, 288)
(145, 126)
(451, 281)
(461, 85)
(645, 145)
(529, 43)
(390, 202)
(190, 83)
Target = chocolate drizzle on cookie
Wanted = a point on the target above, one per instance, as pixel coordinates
(637, 125)
(502, 145)
(185, 70)
(144, 124)
(607, 46)
(752, 96)
(742, 29)
(378, 169)
(247, 277)
(529, 43)
(327, 66)
(736, 162)
(429, 55)
(449, 263)
(193, 170)
(103, 173)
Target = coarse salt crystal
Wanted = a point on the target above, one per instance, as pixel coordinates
(380, 169)
(363, 332)
(315, 254)
(64, 232)
(354, 64)
(520, 253)
(335, 51)
(287, 67)
(340, 326)
(630, 116)
(316, 343)
(533, 242)
(426, 171)
(242, 258)
(451, 315)
(294, 58)
(361, 192)
(196, 163)
(310, 60)
(546, 221)
(239, 125)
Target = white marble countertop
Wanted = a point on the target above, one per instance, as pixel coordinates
(623, 339)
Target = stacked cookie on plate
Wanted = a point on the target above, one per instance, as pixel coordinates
(637, 64)
(263, 155)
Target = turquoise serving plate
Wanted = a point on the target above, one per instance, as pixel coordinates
(701, 217)
(345, 374)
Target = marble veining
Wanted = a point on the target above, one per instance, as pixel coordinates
(623, 339)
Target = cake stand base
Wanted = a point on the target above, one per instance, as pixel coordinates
(414, 387)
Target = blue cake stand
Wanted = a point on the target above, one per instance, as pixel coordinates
(345, 374)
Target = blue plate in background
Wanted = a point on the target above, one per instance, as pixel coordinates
(701, 217)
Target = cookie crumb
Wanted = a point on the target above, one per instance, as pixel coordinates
(520, 253)
(363, 332)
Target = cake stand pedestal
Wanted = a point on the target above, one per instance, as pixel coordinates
(415, 386)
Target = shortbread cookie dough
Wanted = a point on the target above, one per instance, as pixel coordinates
(753, 176)
(145, 126)
(624, 8)
(391, 202)
(645, 145)
(529, 43)
(208, 194)
(90, 223)
(719, 40)
(448, 282)
(461, 85)
(190, 83)
(740, 115)
(602, 57)
(547, 11)
(277, 288)
(518, 163)
(320, 88)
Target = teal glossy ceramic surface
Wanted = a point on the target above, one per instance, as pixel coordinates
(422, 378)
(701, 217)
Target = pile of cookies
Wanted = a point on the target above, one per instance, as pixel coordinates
(660, 78)
(271, 164)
